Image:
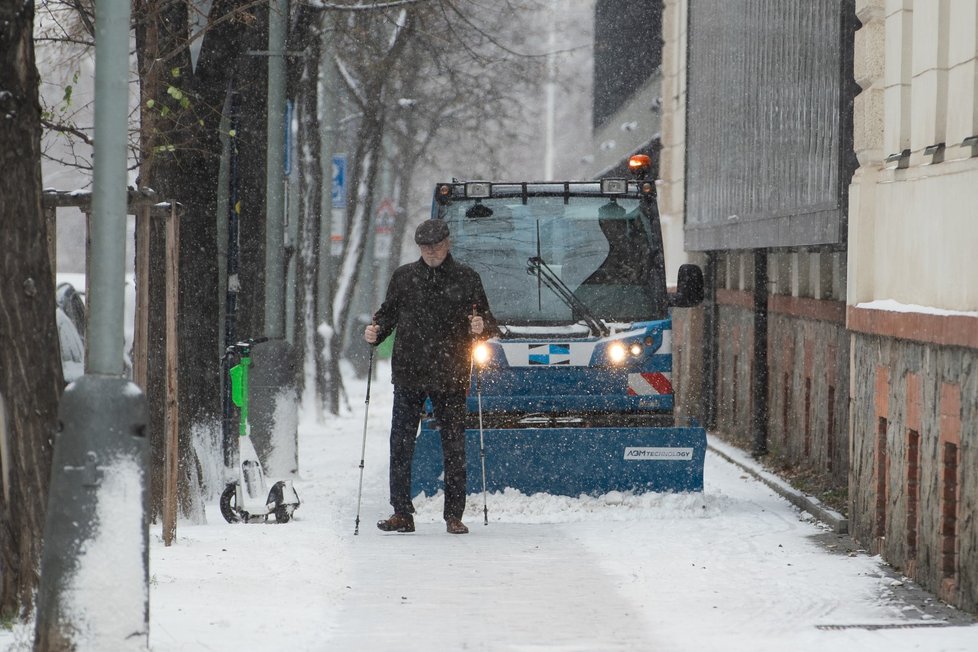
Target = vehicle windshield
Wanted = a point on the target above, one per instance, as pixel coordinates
(600, 250)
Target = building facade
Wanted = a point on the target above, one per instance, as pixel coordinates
(756, 173)
(821, 162)
(912, 305)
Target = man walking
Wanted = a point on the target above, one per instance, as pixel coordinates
(437, 305)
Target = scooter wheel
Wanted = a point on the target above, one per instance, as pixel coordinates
(228, 503)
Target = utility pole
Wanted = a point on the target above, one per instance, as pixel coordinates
(274, 390)
(94, 588)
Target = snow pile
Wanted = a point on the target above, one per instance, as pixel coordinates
(512, 506)
(896, 306)
(282, 454)
(106, 617)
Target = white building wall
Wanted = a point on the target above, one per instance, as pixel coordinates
(962, 102)
(672, 161)
(913, 231)
(928, 81)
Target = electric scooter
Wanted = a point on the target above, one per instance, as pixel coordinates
(248, 499)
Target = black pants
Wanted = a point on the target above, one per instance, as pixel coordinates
(449, 409)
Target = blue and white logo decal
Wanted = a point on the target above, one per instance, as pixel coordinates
(549, 354)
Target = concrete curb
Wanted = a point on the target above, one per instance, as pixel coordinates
(810, 504)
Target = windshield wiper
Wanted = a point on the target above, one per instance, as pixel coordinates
(536, 265)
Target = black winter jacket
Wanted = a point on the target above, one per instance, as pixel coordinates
(429, 307)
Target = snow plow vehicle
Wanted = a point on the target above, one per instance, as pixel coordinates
(574, 394)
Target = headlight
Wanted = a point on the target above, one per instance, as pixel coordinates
(481, 353)
(616, 352)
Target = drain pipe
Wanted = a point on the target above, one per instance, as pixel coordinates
(710, 342)
(759, 379)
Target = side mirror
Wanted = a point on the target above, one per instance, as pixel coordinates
(689, 287)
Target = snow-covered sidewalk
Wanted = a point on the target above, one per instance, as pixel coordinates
(734, 568)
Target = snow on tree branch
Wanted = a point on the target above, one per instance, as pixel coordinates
(398, 27)
(374, 6)
(351, 82)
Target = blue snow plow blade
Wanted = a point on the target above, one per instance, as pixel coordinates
(571, 461)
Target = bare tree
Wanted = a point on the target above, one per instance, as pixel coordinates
(464, 101)
(411, 74)
(175, 146)
(30, 369)
(305, 38)
(370, 44)
(411, 71)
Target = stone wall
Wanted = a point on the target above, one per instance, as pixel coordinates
(914, 490)
(808, 372)
(808, 419)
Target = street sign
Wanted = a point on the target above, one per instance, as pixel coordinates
(386, 213)
(339, 181)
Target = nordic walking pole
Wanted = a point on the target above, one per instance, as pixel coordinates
(482, 443)
(363, 448)
(482, 447)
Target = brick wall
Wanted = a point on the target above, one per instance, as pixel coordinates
(808, 366)
(913, 490)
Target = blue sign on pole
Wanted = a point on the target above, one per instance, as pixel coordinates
(339, 181)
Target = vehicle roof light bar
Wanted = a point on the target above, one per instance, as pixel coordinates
(478, 189)
(614, 186)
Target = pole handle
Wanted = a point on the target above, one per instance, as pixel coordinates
(475, 313)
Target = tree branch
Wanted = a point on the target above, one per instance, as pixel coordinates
(66, 129)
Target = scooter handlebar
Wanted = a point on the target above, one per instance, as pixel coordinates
(244, 346)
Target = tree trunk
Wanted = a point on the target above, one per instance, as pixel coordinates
(31, 380)
(363, 180)
(251, 78)
(160, 28)
(370, 93)
(181, 153)
(306, 92)
(193, 176)
(403, 180)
